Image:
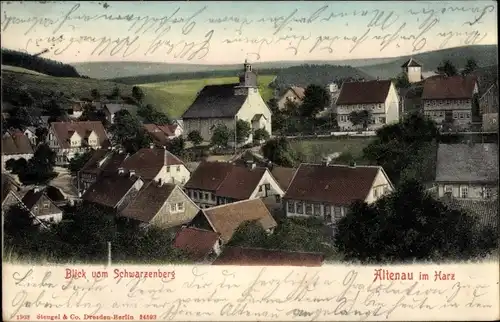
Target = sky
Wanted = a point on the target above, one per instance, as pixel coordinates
(229, 32)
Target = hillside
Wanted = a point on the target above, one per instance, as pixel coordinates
(20, 70)
(180, 94)
(485, 55)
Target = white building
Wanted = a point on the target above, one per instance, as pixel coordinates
(413, 70)
(15, 145)
(378, 97)
(226, 104)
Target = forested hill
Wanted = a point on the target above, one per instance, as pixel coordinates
(37, 63)
(305, 75)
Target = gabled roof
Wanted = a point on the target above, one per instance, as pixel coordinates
(242, 256)
(448, 88)
(109, 190)
(283, 176)
(411, 63)
(485, 211)
(64, 130)
(16, 142)
(103, 161)
(226, 179)
(225, 219)
(467, 163)
(215, 101)
(299, 91)
(116, 107)
(160, 133)
(366, 92)
(147, 162)
(197, 242)
(333, 184)
(38, 197)
(148, 201)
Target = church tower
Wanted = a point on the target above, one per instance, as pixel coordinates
(248, 80)
(413, 70)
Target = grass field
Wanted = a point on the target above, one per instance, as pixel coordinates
(314, 150)
(176, 96)
(21, 70)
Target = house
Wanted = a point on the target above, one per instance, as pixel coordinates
(200, 244)
(488, 102)
(326, 191)
(30, 132)
(449, 100)
(283, 176)
(485, 211)
(490, 122)
(76, 108)
(249, 156)
(410, 100)
(15, 145)
(217, 183)
(162, 134)
(293, 94)
(243, 256)
(379, 97)
(158, 165)
(70, 138)
(226, 104)
(41, 206)
(101, 162)
(160, 204)
(467, 171)
(114, 191)
(110, 110)
(10, 192)
(413, 70)
(225, 219)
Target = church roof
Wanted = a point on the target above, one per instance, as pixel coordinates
(215, 101)
(411, 63)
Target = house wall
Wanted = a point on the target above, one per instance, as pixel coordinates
(460, 109)
(343, 111)
(288, 96)
(414, 74)
(330, 213)
(268, 187)
(391, 107)
(474, 191)
(168, 217)
(253, 105)
(206, 126)
(63, 156)
(31, 136)
(204, 199)
(9, 201)
(130, 195)
(488, 103)
(52, 218)
(380, 186)
(490, 122)
(177, 174)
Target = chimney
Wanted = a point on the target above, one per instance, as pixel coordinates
(132, 173)
(165, 155)
(151, 146)
(37, 189)
(121, 170)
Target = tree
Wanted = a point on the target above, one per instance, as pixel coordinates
(362, 118)
(447, 68)
(261, 134)
(220, 136)
(116, 92)
(470, 66)
(409, 224)
(40, 168)
(402, 81)
(19, 118)
(272, 104)
(279, 151)
(128, 132)
(151, 115)
(291, 108)
(16, 166)
(195, 137)
(41, 134)
(79, 160)
(96, 95)
(315, 99)
(243, 131)
(176, 146)
(137, 93)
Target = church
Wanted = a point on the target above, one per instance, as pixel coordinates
(226, 104)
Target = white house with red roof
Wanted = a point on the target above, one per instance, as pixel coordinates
(379, 97)
(327, 191)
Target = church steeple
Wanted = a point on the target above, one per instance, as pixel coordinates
(247, 66)
(248, 78)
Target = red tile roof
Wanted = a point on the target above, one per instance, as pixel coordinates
(148, 162)
(265, 257)
(103, 160)
(367, 92)
(197, 242)
(225, 219)
(226, 179)
(161, 133)
(283, 176)
(333, 184)
(109, 190)
(16, 142)
(64, 130)
(299, 91)
(449, 88)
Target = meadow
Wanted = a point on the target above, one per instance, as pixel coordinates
(177, 96)
(313, 150)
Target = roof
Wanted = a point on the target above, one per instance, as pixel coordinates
(16, 142)
(226, 219)
(103, 161)
(334, 184)
(265, 257)
(33, 197)
(64, 130)
(299, 91)
(257, 117)
(160, 133)
(366, 92)
(116, 107)
(148, 201)
(109, 190)
(454, 87)
(411, 63)
(197, 242)
(147, 162)
(485, 211)
(226, 179)
(215, 101)
(467, 163)
(283, 176)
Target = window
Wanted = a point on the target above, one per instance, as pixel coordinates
(455, 116)
(206, 196)
(461, 115)
(212, 197)
(268, 186)
(375, 192)
(487, 193)
(448, 189)
(261, 188)
(328, 210)
(278, 198)
(337, 212)
(180, 206)
(381, 120)
(467, 115)
(317, 209)
(309, 209)
(168, 168)
(300, 208)
(441, 114)
(195, 194)
(386, 189)
(291, 207)
(51, 219)
(464, 191)
(173, 207)
(46, 205)
(178, 168)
